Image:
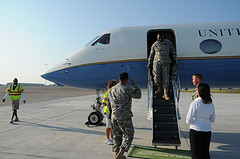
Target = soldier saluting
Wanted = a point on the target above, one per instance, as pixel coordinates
(120, 98)
(159, 57)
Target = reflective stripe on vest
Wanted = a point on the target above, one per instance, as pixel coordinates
(105, 101)
(15, 94)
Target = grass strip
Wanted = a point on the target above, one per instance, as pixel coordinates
(158, 153)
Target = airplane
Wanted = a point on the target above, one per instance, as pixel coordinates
(211, 49)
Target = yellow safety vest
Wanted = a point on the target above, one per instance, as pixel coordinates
(15, 94)
(105, 101)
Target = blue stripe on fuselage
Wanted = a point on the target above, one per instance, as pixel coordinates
(219, 73)
(97, 76)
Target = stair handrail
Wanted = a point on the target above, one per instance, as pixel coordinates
(150, 94)
(176, 91)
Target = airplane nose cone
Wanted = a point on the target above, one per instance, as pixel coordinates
(58, 77)
(47, 76)
(50, 77)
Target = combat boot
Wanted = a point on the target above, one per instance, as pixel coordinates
(116, 152)
(166, 94)
(120, 154)
(159, 90)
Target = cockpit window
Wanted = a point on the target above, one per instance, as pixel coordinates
(103, 40)
(90, 42)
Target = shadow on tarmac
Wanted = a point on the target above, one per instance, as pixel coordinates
(26, 155)
(57, 128)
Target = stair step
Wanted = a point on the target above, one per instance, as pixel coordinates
(166, 142)
(165, 135)
(164, 118)
(163, 103)
(164, 110)
(165, 126)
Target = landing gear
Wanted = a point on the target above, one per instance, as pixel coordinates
(96, 116)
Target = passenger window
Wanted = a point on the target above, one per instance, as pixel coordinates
(210, 46)
(103, 40)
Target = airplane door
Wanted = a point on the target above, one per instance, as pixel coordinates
(152, 37)
(168, 34)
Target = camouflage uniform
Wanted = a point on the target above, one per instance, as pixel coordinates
(195, 95)
(120, 98)
(160, 58)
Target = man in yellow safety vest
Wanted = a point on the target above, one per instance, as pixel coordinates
(15, 91)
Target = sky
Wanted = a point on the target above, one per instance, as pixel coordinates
(36, 34)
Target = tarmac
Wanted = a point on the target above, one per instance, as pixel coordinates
(55, 129)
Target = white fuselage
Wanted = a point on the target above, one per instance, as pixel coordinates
(210, 49)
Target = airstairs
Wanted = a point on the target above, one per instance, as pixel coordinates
(164, 114)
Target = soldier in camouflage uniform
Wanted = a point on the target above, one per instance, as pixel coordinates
(196, 80)
(159, 57)
(120, 98)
